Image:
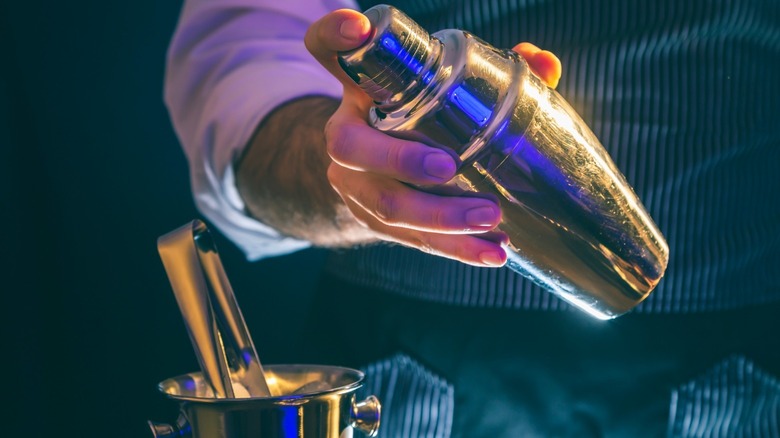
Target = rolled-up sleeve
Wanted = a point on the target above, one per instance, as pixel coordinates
(229, 64)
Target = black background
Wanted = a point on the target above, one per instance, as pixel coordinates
(91, 174)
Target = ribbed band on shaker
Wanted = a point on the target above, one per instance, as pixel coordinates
(393, 58)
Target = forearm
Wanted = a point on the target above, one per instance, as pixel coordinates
(282, 177)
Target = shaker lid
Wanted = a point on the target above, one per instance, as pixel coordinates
(394, 56)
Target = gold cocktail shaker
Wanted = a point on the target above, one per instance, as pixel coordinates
(575, 226)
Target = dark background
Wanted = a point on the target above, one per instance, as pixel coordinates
(91, 175)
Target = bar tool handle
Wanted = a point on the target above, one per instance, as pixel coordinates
(211, 315)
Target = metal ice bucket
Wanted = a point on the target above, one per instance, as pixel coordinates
(329, 410)
(234, 396)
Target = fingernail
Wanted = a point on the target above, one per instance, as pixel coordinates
(439, 165)
(354, 28)
(491, 258)
(481, 216)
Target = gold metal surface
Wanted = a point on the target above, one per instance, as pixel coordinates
(313, 401)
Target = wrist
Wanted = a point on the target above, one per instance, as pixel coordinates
(282, 176)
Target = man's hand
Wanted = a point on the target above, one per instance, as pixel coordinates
(370, 168)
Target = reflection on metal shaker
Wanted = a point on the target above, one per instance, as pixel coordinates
(575, 226)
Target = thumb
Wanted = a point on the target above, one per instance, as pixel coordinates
(341, 30)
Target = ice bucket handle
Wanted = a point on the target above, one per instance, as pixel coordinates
(365, 415)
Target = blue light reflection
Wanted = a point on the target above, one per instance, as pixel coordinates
(396, 49)
(291, 427)
(470, 105)
(247, 356)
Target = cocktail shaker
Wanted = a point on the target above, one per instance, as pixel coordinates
(575, 225)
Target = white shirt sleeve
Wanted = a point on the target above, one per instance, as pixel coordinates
(229, 64)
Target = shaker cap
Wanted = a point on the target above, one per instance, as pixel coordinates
(394, 56)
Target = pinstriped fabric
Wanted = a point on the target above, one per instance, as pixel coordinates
(734, 399)
(685, 97)
(404, 272)
(415, 402)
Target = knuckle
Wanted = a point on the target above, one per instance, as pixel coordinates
(401, 157)
(386, 206)
(440, 218)
(423, 243)
(337, 139)
(334, 175)
(394, 156)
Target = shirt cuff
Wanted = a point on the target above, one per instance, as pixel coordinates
(214, 183)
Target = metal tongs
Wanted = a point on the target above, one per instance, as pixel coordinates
(211, 315)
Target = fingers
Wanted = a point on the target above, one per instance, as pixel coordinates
(470, 249)
(543, 63)
(367, 172)
(398, 205)
(341, 30)
(357, 146)
(371, 170)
